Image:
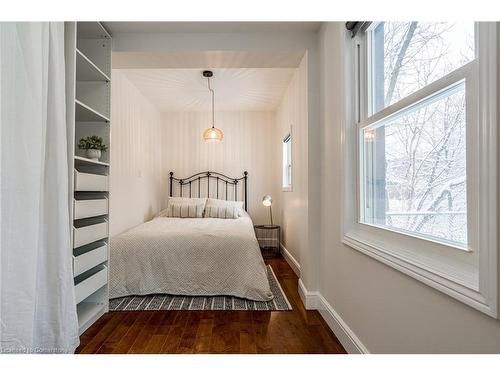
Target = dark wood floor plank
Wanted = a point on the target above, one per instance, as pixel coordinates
(204, 335)
(95, 343)
(160, 335)
(296, 331)
(326, 340)
(142, 339)
(110, 343)
(289, 334)
(225, 333)
(261, 321)
(186, 345)
(175, 333)
(128, 340)
(248, 338)
(93, 331)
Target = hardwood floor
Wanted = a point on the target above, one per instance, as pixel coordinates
(296, 331)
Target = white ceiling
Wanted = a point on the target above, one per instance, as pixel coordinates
(202, 59)
(209, 27)
(183, 90)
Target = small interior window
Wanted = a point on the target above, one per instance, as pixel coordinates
(287, 162)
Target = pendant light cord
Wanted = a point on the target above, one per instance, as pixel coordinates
(213, 102)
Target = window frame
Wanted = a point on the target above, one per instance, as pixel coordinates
(288, 169)
(429, 94)
(469, 276)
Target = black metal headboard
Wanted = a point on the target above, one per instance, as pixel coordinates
(197, 179)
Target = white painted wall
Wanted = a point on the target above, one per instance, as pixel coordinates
(136, 187)
(291, 116)
(248, 145)
(388, 311)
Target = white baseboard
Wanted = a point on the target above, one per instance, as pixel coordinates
(346, 336)
(290, 260)
(315, 301)
(310, 299)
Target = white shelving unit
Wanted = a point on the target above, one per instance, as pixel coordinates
(85, 113)
(88, 92)
(82, 160)
(88, 71)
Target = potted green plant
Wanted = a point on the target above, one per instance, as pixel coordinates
(93, 145)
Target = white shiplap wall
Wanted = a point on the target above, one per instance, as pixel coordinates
(248, 145)
(136, 187)
(291, 115)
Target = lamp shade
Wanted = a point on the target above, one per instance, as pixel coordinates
(267, 200)
(213, 135)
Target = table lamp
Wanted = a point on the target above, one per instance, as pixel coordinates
(268, 201)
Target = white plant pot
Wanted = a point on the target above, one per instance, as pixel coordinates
(94, 154)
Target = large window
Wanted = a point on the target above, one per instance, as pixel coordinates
(414, 175)
(287, 163)
(420, 154)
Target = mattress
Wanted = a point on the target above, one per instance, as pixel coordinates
(198, 256)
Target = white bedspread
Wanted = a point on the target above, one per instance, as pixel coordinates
(202, 256)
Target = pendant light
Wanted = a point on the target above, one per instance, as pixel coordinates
(212, 134)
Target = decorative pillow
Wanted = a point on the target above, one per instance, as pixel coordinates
(222, 212)
(218, 208)
(184, 210)
(184, 207)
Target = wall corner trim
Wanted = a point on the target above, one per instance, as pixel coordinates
(309, 299)
(292, 262)
(315, 301)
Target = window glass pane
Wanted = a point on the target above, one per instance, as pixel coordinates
(406, 56)
(414, 169)
(287, 161)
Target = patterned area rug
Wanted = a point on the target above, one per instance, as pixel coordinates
(173, 302)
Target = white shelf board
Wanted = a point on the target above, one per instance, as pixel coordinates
(86, 70)
(92, 30)
(88, 313)
(82, 160)
(86, 114)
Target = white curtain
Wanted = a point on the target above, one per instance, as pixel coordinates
(37, 301)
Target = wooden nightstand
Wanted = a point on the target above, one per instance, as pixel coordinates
(269, 239)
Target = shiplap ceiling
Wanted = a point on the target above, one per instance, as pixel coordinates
(201, 59)
(210, 27)
(185, 90)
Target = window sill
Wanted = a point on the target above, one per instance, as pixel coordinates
(420, 237)
(461, 287)
(286, 189)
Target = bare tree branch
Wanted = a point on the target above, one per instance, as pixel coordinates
(399, 61)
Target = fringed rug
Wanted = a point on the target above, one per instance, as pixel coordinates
(173, 302)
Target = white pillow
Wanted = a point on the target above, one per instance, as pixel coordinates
(218, 208)
(187, 200)
(184, 207)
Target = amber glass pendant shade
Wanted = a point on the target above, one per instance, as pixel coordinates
(213, 135)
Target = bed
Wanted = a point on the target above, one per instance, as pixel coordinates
(192, 256)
